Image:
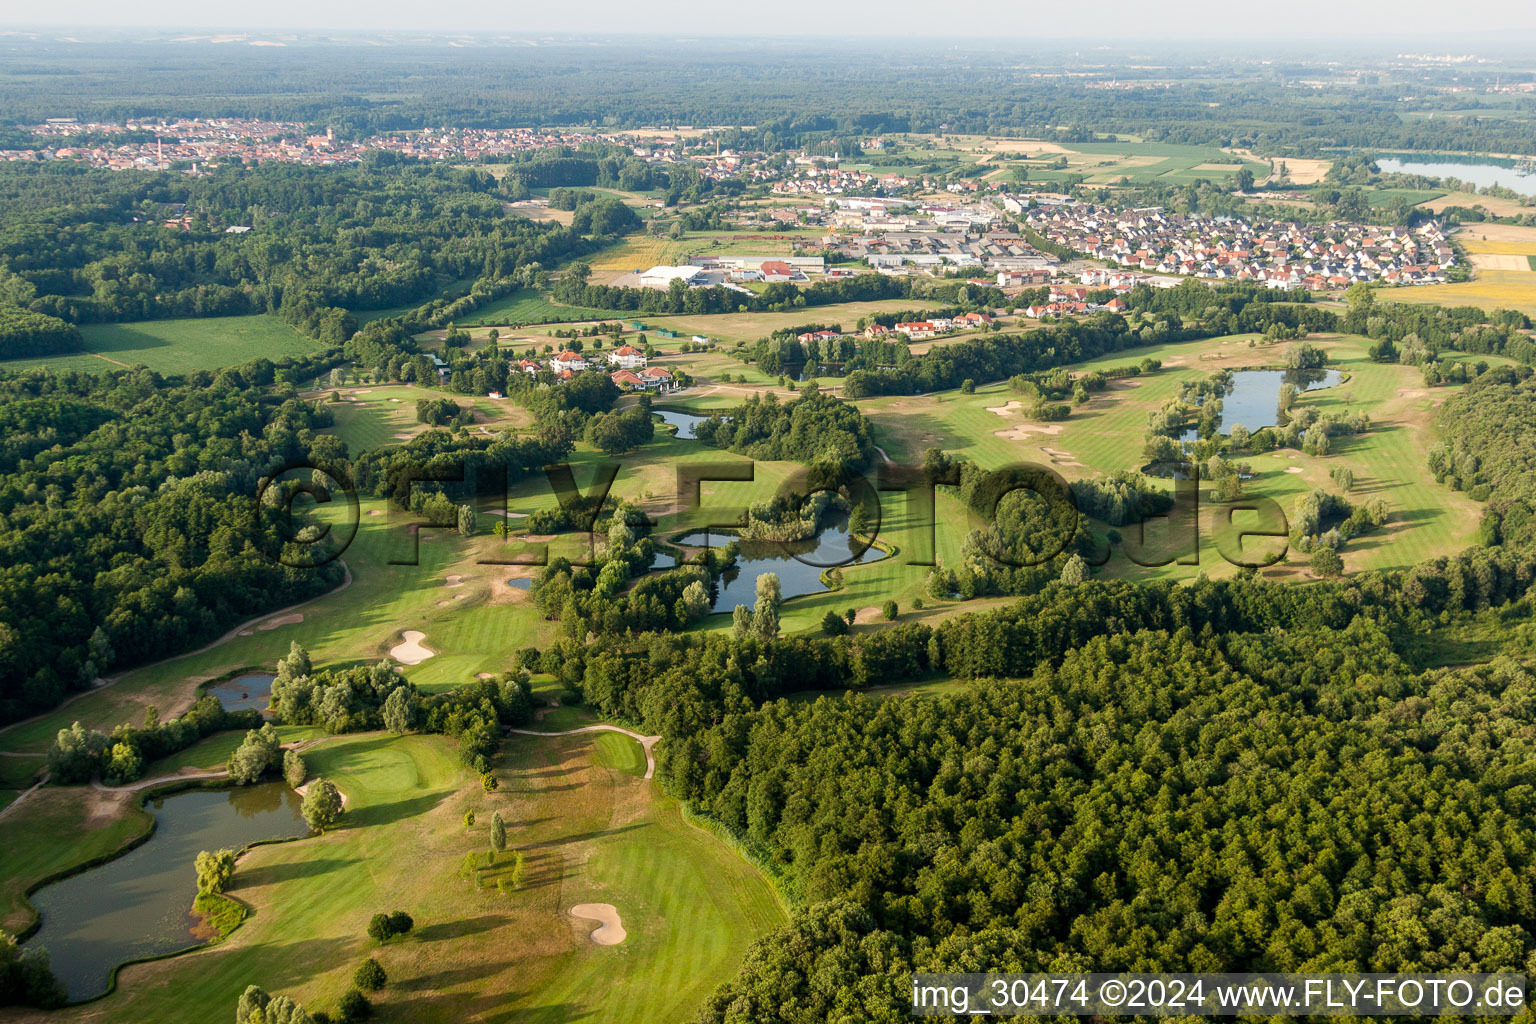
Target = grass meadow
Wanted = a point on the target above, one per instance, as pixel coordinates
(179, 346)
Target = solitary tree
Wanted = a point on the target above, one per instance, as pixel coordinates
(399, 715)
(294, 768)
(498, 832)
(765, 613)
(214, 870)
(1075, 571)
(469, 819)
(322, 805)
(889, 610)
(1326, 562)
(370, 975)
(466, 521)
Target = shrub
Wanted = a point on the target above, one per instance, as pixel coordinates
(370, 975)
(889, 610)
(354, 1006)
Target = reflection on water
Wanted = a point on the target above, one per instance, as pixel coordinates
(1480, 174)
(1254, 400)
(248, 691)
(139, 904)
(683, 421)
(834, 545)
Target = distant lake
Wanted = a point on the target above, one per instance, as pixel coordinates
(140, 904)
(1480, 174)
(832, 546)
(1254, 400)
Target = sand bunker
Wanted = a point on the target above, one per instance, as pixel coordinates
(1023, 430)
(1293, 469)
(396, 400)
(411, 651)
(611, 930)
(454, 581)
(1006, 410)
(283, 620)
(375, 511)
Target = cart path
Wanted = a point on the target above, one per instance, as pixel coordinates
(646, 742)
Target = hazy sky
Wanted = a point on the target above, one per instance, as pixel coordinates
(1120, 21)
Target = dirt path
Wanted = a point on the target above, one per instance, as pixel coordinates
(21, 797)
(346, 582)
(134, 787)
(646, 742)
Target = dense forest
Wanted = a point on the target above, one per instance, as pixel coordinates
(128, 525)
(88, 245)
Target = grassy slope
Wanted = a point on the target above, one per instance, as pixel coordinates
(180, 346)
(591, 833)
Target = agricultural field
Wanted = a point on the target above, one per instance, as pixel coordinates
(180, 346)
(591, 830)
(1490, 289)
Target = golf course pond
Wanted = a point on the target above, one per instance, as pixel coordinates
(252, 690)
(799, 564)
(1254, 400)
(140, 904)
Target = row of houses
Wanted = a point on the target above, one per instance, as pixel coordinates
(1279, 254)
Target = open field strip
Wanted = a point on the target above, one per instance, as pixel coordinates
(179, 346)
(1490, 289)
(371, 416)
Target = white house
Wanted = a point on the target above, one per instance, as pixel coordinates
(627, 357)
(568, 360)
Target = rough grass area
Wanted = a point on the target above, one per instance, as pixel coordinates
(180, 346)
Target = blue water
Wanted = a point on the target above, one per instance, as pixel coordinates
(683, 421)
(1255, 397)
(248, 691)
(1481, 175)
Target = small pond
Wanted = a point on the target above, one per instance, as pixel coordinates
(140, 904)
(1480, 174)
(834, 545)
(520, 582)
(683, 421)
(253, 690)
(1254, 400)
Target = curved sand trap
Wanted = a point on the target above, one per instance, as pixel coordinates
(1006, 410)
(1293, 469)
(454, 581)
(610, 931)
(283, 620)
(411, 652)
(1023, 430)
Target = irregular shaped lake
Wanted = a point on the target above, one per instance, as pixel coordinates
(683, 421)
(140, 904)
(834, 545)
(1482, 175)
(1254, 400)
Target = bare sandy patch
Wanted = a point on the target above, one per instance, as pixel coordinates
(1293, 469)
(410, 650)
(455, 580)
(403, 437)
(292, 619)
(610, 930)
(1006, 410)
(375, 512)
(1023, 430)
(865, 616)
(395, 400)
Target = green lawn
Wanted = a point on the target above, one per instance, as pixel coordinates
(527, 306)
(180, 346)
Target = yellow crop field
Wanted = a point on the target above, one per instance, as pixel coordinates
(1478, 245)
(1492, 289)
(635, 252)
